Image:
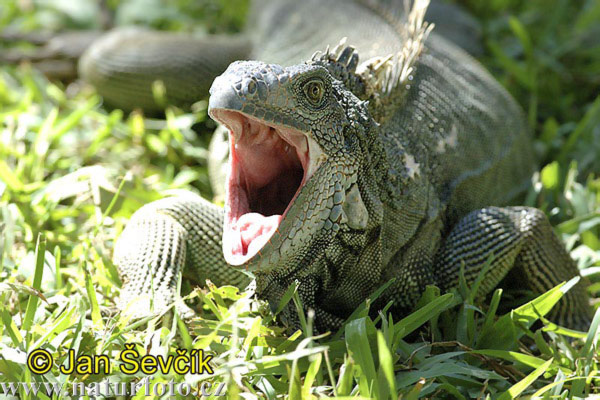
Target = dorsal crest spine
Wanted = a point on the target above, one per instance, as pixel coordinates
(342, 62)
(381, 80)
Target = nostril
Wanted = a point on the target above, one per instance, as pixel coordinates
(250, 87)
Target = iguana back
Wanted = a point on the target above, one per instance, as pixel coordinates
(466, 134)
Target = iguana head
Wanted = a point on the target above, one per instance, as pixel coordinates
(295, 153)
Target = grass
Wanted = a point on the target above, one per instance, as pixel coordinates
(72, 173)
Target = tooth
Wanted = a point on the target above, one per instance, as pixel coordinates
(260, 133)
(304, 146)
(315, 158)
(235, 128)
(255, 128)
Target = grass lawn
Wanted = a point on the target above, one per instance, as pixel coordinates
(72, 173)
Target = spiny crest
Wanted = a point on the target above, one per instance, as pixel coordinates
(381, 80)
(386, 77)
(341, 62)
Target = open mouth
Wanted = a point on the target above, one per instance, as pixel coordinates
(268, 166)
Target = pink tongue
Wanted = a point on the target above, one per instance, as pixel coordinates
(248, 235)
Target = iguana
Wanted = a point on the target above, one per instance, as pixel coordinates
(391, 157)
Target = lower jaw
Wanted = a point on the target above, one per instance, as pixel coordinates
(239, 249)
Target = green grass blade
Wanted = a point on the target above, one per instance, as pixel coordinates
(410, 323)
(524, 383)
(592, 337)
(11, 329)
(386, 364)
(589, 121)
(9, 178)
(57, 270)
(91, 292)
(357, 342)
(310, 376)
(524, 359)
(40, 252)
(505, 332)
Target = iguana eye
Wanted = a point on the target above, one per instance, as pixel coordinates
(314, 91)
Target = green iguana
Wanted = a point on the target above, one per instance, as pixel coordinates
(392, 157)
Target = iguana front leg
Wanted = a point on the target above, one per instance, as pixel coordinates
(521, 238)
(165, 239)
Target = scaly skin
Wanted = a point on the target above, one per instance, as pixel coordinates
(408, 186)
